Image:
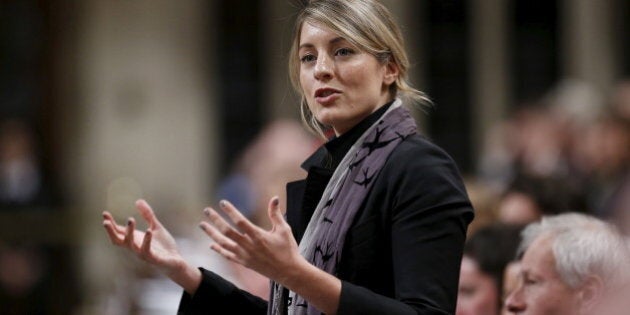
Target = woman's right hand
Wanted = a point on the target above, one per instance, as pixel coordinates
(155, 245)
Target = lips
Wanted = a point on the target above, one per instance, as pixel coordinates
(323, 92)
(326, 96)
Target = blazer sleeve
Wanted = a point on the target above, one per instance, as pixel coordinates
(218, 296)
(429, 215)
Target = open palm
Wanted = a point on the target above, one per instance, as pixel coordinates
(155, 245)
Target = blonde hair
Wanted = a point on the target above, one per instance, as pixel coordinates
(369, 26)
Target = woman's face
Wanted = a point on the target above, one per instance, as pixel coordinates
(478, 293)
(341, 84)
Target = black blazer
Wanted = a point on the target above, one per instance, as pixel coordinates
(401, 255)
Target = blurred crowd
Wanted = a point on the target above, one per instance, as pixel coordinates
(552, 202)
(36, 276)
(566, 152)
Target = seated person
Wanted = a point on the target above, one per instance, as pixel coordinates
(571, 264)
(486, 255)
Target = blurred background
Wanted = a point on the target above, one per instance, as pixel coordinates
(184, 102)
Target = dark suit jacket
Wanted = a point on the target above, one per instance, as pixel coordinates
(402, 253)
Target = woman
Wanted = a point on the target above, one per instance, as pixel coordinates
(381, 217)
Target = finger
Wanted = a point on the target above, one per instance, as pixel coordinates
(239, 220)
(147, 213)
(226, 253)
(114, 237)
(129, 236)
(225, 227)
(219, 238)
(145, 250)
(108, 217)
(273, 210)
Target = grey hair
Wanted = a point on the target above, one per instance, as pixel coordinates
(582, 246)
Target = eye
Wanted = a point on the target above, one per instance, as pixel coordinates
(344, 52)
(307, 58)
(529, 281)
(467, 290)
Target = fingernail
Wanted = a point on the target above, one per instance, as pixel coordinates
(223, 203)
(128, 221)
(275, 201)
(206, 211)
(201, 226)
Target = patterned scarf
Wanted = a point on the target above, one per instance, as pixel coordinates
(346, 191)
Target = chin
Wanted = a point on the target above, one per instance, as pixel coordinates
(327, 119)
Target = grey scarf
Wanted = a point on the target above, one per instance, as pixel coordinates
(346, 191)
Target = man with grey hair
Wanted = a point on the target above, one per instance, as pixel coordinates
(571, 264)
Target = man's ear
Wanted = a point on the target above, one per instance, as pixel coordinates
(391, 73)
(591, 292)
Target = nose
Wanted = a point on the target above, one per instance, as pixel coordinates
(323, 68)
(514, 302)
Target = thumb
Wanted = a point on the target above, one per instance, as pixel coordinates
(147, 213)
(275, 215)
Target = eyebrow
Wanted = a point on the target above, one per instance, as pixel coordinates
(332, 41)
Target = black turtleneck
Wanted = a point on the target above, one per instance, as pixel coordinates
(331, 154)
(321, 166)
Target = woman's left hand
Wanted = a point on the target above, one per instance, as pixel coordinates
(273, 253)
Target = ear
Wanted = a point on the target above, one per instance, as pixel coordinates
(591, 292)
(391, 73)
